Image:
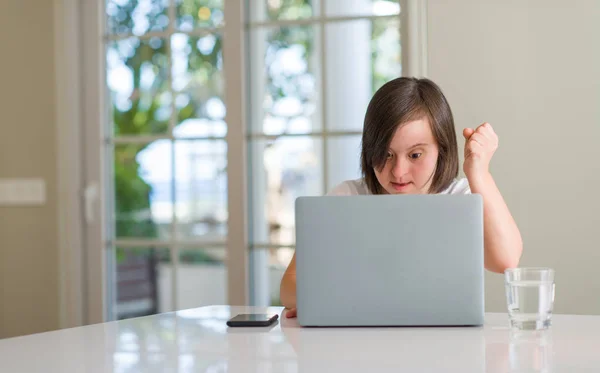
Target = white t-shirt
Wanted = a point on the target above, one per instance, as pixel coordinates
(359, 187)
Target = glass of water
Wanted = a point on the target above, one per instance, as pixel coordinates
(529, 297)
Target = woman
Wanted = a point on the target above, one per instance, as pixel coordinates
(409, 147)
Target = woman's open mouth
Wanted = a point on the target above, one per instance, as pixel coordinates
(400, 187)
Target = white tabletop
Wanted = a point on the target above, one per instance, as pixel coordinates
(198, 340)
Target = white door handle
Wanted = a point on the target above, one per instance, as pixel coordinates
(90, 196)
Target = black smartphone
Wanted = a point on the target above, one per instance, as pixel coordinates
(252, 319)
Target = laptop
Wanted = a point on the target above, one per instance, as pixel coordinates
(390, 260)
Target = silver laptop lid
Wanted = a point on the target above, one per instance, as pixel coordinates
(390, 260)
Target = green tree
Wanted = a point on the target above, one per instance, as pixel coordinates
(145, 108)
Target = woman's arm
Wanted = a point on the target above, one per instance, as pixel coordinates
(287, 290)
(502, 240)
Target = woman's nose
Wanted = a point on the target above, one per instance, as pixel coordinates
(400, 167)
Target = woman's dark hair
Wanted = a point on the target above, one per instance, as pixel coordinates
(400, 101)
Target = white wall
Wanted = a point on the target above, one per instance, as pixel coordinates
(532, 69)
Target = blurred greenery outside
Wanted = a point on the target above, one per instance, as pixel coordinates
(148, 109)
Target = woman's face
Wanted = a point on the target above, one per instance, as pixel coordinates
(411, 159)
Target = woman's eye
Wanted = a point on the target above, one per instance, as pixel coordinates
(415, 155)
(389, 155)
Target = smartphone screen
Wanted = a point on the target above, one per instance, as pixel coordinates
(253, 319)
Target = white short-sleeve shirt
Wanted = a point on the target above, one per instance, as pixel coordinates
(359, 187)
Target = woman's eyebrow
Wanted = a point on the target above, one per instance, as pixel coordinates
(412, 147)
(419, 144)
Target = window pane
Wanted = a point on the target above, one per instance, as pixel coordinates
(343, 159)
(198, 84)
(140, 277)
(136, 16)
(201, 189)
(267, 268)
(273, 10)
(281, 170)
(284, 80)
(201, 278)
(143, 194)
(386, 58)
(199, 13)
(339, 8)
(137, 80)
(362, 56)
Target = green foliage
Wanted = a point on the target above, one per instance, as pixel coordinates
(197, 256)
(149, 108)
(290, 9)
(133, 217)
(146, 105)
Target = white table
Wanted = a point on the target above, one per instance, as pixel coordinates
(198, 340)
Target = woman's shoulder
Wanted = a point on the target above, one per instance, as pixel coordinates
(458, 186)
(350, 188)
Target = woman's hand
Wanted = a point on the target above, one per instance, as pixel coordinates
(480, 146)
(290, 313)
